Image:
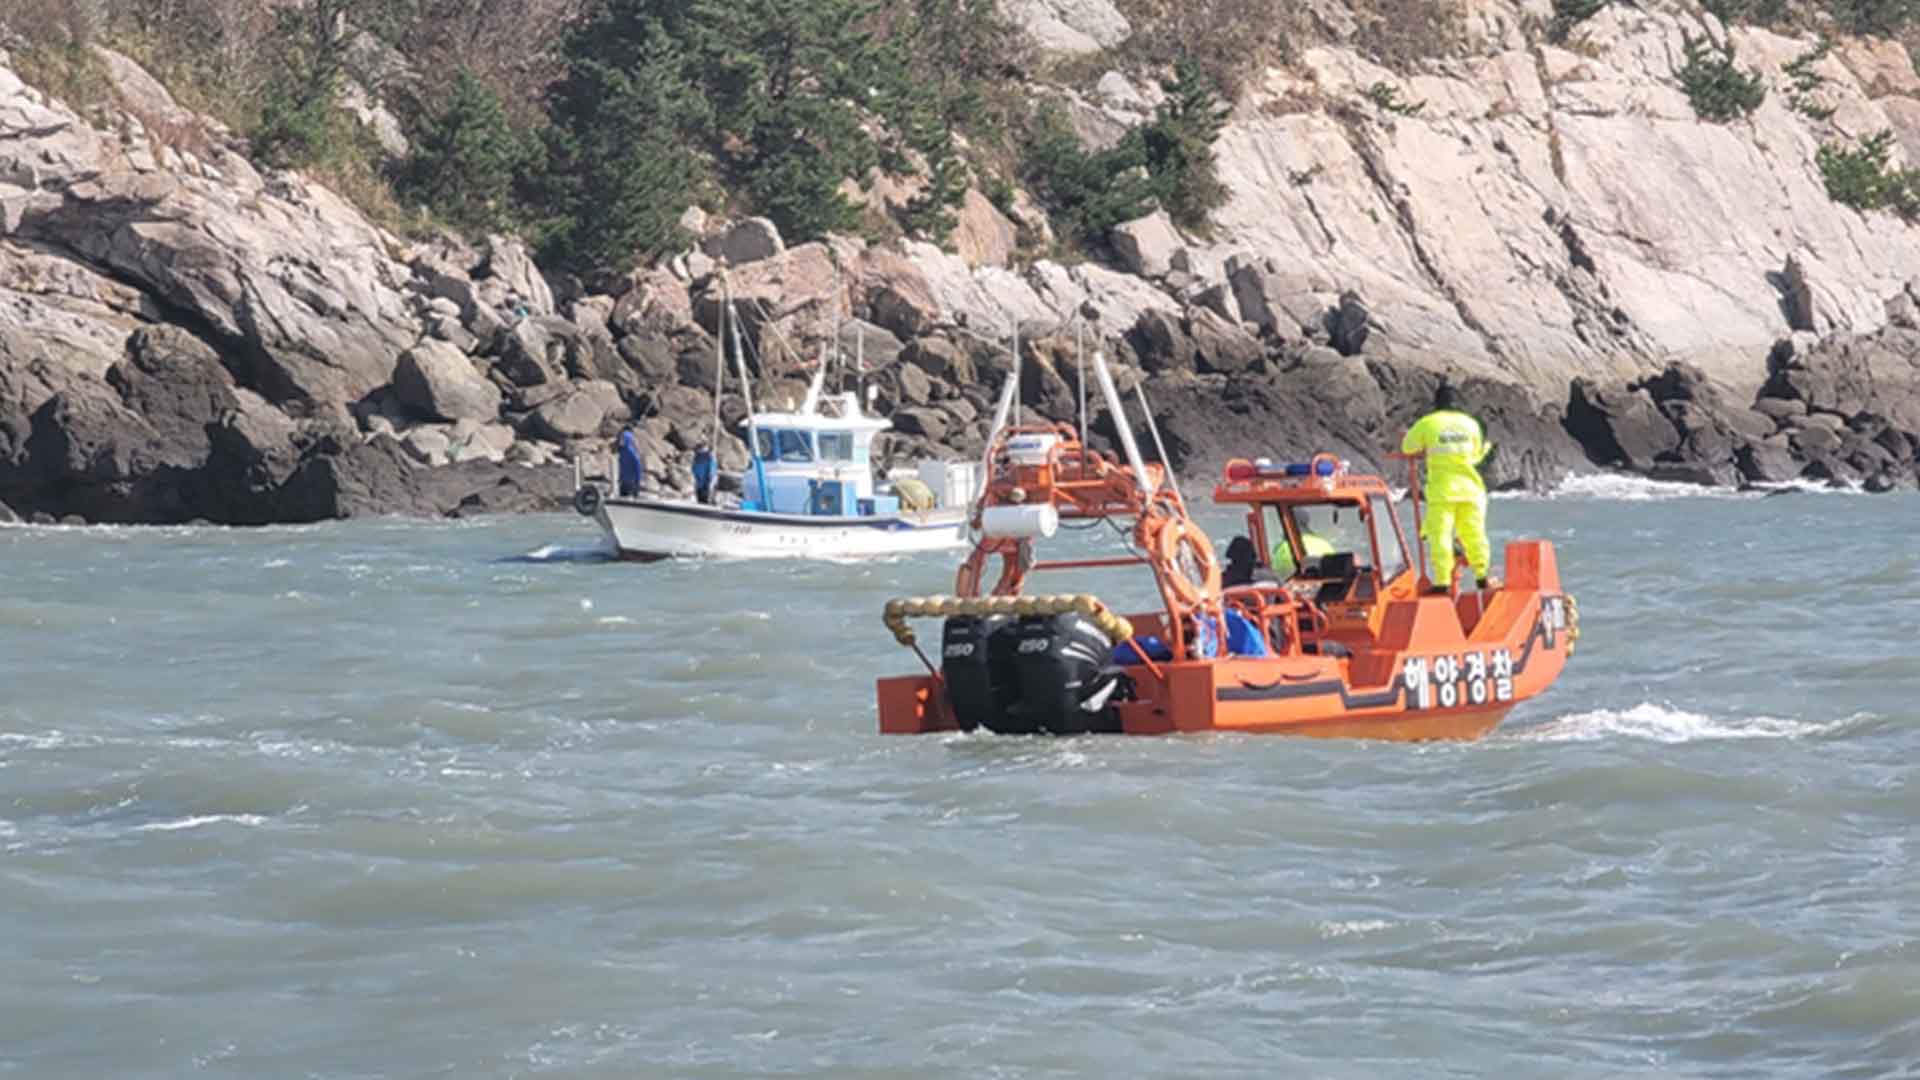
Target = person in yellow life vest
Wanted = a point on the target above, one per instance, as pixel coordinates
(1454, 446)
(1281, 557)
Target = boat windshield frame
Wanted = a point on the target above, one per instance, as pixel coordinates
(1264, 514)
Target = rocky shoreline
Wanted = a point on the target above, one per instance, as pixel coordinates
(185, 339)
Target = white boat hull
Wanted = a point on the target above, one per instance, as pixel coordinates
(644, 529)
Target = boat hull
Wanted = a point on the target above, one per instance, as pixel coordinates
(644, 530)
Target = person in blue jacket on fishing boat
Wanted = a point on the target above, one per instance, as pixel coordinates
(632, 465)
(703, 473)
(1453, 445)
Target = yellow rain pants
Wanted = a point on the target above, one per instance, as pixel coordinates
(1470, 518)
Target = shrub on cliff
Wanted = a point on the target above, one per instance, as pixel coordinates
(1168, 160)
(53, 48)
(1085, 193)
(1859, 177)
(1718, 89)
(1179, 146)
(1759, 12)
(1884, 18)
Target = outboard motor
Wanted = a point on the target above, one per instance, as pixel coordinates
(978, 672)
(1065, 688)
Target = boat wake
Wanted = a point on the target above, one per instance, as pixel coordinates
(564, 553)
(1660, 723)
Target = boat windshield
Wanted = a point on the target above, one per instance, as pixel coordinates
(783, 444)
(1393, 548)
(1324, 530)
(836, 446)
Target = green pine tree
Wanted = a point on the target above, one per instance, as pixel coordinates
(789, 81)
(620, 164)
(299, 122)
(468, 158)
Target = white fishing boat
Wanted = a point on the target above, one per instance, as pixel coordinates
(807, 491)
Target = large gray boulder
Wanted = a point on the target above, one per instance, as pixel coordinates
(437, 382)
(580, 412)
(509, 266)
(1147, 245)
(982, 235)
(749, 241)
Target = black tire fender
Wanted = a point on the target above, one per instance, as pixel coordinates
(587, 500)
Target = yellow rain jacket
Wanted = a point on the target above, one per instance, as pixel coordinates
(1454, 446)
(1281, 557)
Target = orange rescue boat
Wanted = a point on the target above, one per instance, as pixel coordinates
(1349, 645)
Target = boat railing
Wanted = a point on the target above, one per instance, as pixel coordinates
(593, 467)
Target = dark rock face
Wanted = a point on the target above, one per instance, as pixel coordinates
(1200, 340)
(1621, 427)
(337, 478)
(1349, 324)
(1162, 343)
(128, 448)
(1221, 347)
(931, 423)
(941, 359)
(1844, 412)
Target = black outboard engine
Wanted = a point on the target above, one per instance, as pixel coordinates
(1066, 682)
(978, 670)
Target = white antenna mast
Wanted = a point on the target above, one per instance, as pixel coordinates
(1120, 422)
(1080, 368)
(1016, 369)
(1159, 448)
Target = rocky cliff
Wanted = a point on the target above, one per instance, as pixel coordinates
(1614, 282)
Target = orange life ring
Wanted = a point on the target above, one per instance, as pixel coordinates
(1176, 537)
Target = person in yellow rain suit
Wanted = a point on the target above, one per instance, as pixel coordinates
(1454, 446)
(1281, 557)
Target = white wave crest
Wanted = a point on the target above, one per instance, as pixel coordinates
(1624, 487)
(48, 740)
(1628, 487)
(1660, 723)
(1351, 928)
(249, 820)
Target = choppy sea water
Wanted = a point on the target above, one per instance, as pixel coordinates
(412, 799)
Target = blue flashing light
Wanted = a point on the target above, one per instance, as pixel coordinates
(1323, 467)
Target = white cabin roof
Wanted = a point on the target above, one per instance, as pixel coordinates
(850, 418)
